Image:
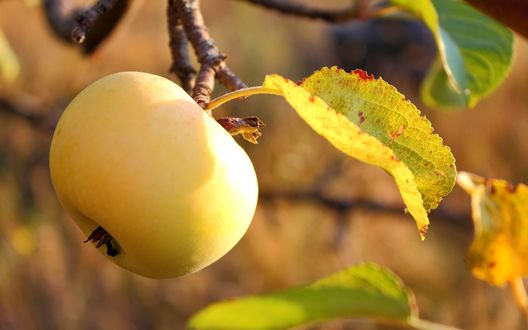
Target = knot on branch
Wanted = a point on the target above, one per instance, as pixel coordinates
(216, 60)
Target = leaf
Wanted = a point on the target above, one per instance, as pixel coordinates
(475, 52)
(366, 290)
(499, 251)
(370, 120)
(362, 291)
(9, 65)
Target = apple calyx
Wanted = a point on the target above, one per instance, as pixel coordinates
(101, 237)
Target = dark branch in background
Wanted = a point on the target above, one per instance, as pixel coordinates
(179, 47)
(15, 110)
(212, 62)
(62, 24)
(89, 26)
(356, 9)
(512, 13)
(462, 221)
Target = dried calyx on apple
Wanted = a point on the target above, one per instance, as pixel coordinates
(157, 184)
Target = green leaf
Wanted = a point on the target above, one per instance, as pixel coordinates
(371, 121)
(362, 291)
(499, 251)
(9, 65)
(475, 52)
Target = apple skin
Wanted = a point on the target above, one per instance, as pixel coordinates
(135, 154)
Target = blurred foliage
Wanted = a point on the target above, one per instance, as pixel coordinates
(474, 52)
(9, 66)
(364, 290)
(499, 252)
(49, 280)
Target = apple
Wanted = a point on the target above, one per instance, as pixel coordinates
(156, 182)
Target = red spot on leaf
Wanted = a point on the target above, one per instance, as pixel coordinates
(312, 99)
(397, 132)
(363, 75)
(394, 158)
(492, 264)
(361, 116)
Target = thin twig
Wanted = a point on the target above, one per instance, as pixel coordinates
(357, 9)
(61, 23)
(461, 220)
(87, 18)
(90, 27)
(229, 79)
(179, 47)
(212, 62)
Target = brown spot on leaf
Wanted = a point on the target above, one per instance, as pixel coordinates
(299, 83)
(397, 132)
(362, 74)
(490, 188)
(423, 230)
(361, 116)
(492, 264)
(511, 188)
(312, 98)
(394, 158)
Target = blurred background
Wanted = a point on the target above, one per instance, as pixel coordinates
(50, 280)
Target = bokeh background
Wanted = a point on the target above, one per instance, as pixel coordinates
(50, 280)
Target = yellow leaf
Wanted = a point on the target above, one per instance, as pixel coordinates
(499, 252)
(9, 65)
(371, 121)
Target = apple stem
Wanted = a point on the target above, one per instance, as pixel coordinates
(244, 92)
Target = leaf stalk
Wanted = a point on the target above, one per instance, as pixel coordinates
(241, 93)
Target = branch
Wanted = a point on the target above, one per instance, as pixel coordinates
(212, 62)
(178, 44)
(89, 27)
(512, 13)
(357, 9)
(29, 115)
(60, 23)
(342, 206)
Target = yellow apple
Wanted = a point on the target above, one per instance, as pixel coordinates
(135, 155)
